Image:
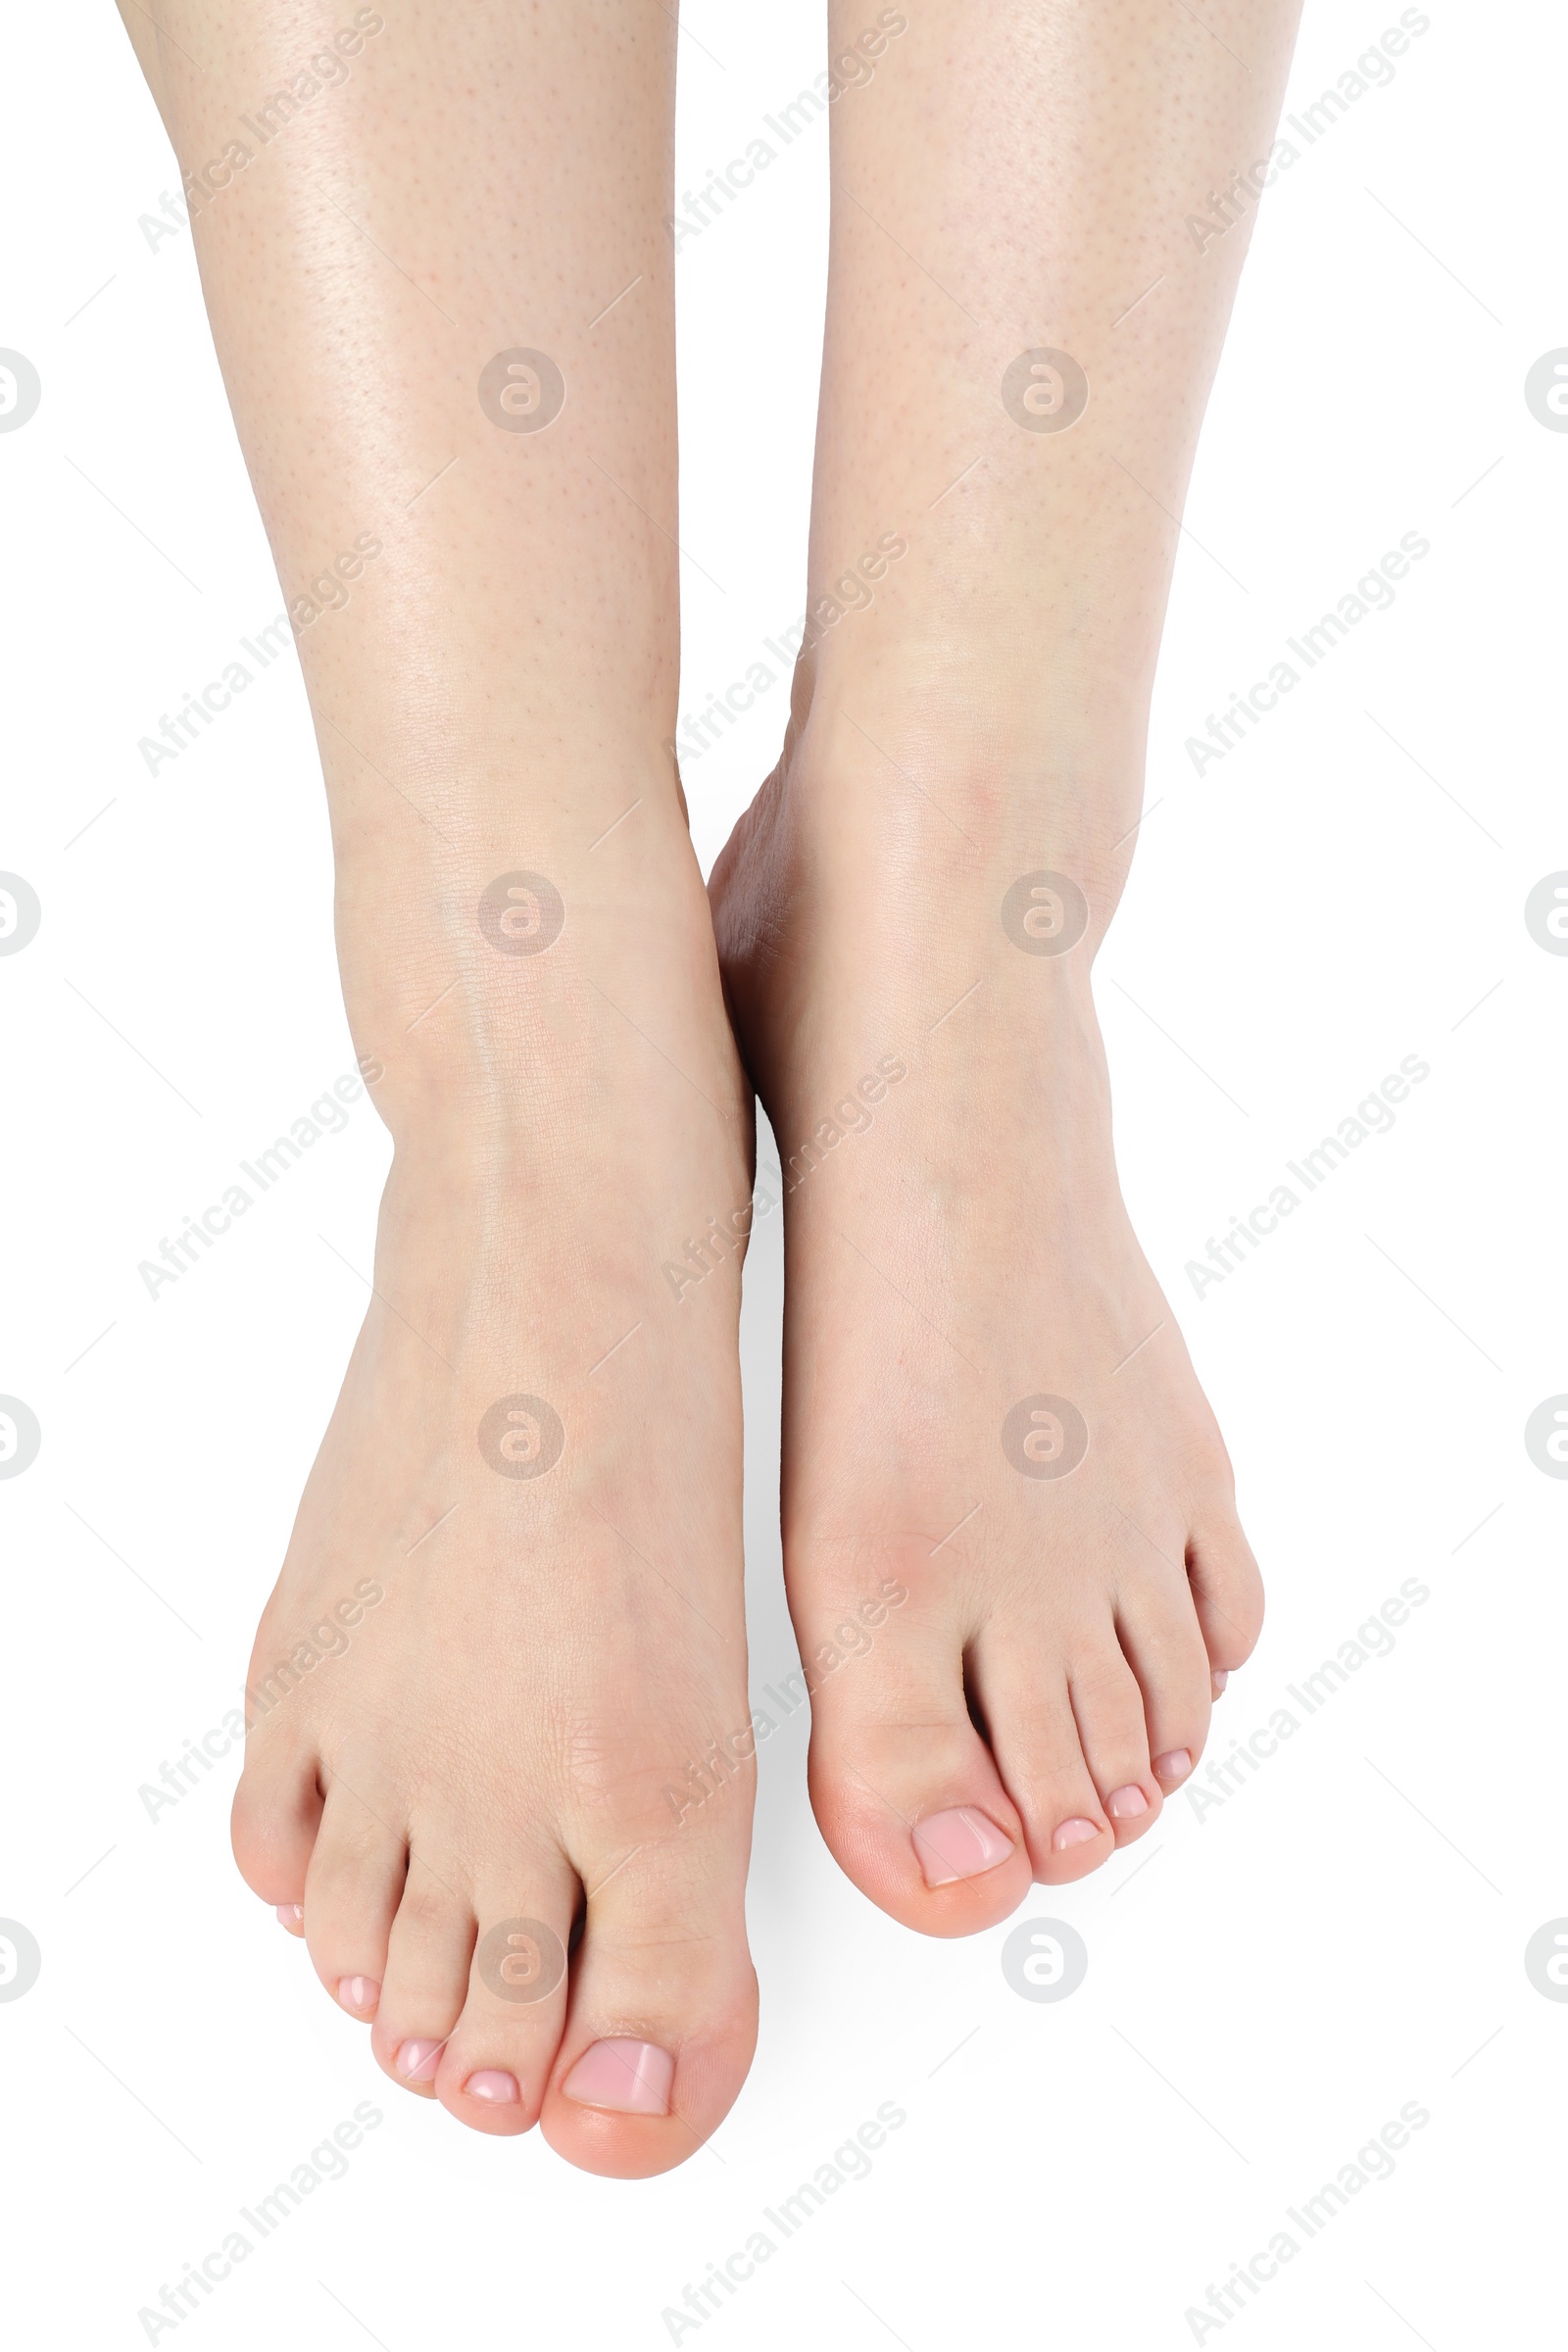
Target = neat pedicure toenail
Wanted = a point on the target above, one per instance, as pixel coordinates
(1076, 1832)
(292, 1917)
(498, 2090)
(1127, 1804)
(416, 2061)
(1173, 1767)
(1220, 1678)
(632, 2078)
(959, 1845)
(359, 1993)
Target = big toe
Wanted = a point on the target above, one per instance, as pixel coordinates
(905, 1791)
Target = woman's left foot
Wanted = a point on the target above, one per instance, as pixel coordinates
(987, 1404)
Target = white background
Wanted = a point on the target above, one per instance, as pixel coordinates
(1269, 1983)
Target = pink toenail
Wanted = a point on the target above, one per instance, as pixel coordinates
(1076, 1832)
(633, 2078)
(360, 1993)
(959, 1845)
(291, 1916)
(416, 2061)
(495, 2088)
(1173, 1767)
(1220, 1678)
(1127, 1803)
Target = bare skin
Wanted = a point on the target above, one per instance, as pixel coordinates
(557, 1642)
(958, 1252)
(507, 1645)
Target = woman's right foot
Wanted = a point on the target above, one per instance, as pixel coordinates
(501, 1686)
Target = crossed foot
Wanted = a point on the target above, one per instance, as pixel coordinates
(507, 1802)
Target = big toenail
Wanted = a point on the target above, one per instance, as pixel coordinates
(1220, 1678)
(360, 1993)
(959, 1845)
(416, 2061)
(292, 1917)
(494, 2086)
(1076, 1832)
(1127, 1803)
(632, 2078)
(1173, 1767)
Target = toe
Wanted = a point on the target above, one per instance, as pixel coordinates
(906, 1794)
(1109, 1709)
(1162, 1643)
(1227, 1593)
(351, 1897)
(498, 2054)
(428, 1964)
(1034, 1736)
(663, 2022)
(278, 1810)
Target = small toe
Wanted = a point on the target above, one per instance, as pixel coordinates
(272, 1827)
(498, 2052)
(428, 1955)
(352, 1891)
(1227, 1591)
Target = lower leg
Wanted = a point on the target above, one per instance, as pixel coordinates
(1021, 335)
(442, 298)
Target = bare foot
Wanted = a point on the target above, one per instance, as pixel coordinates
(985, 1392)
(510, 1623)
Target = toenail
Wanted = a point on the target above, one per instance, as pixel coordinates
(491, 2085)
(416, 2061)
(292, 1917)
(1220, 1678)
(633, 2078)
(1076, 1832)
(1173, 1767)
(959, 1845)
(1127, 1803)
(360, 1993)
